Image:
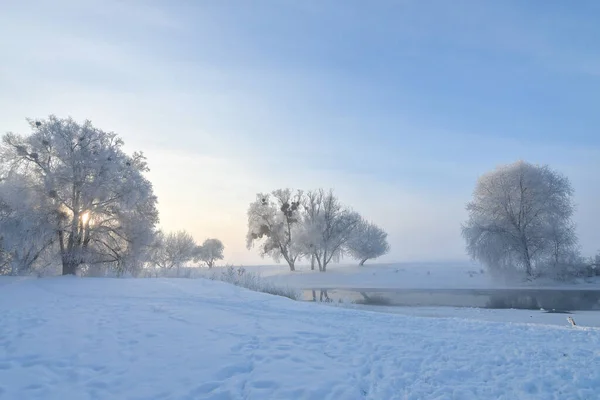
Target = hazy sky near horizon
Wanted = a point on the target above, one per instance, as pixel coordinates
(397, 105)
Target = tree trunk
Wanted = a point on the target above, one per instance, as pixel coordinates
(362, 262)
(69, 265)
(289, 261)
(323, 264)
(14, 268)
(527, 258)
(528, 267)
(312, 262)
(319, 263)
(70, 255)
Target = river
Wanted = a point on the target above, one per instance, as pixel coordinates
(558, 300)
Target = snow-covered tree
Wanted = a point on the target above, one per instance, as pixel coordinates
(327, 227)
(592, 267)
(311, 208)
(26, 228)
(173, 250)
(210, 251)
(273, 221)
(103, 208)
(520, 218)
(368, 241)
(563, 249)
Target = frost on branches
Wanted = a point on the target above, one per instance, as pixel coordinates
(210, 251)
(273, 220)
(172, 250)
(98, 207)
(520, 219)
(315, 226)
(26, 229)
(369, 241)
(327, 227)
(175, 250)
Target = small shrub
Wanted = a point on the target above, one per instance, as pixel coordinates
(249, 280)
(373, 300)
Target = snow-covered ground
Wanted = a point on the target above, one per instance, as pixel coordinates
(73, 338)
(463, 275)
(543, 317)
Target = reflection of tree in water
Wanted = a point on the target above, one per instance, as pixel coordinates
(322, 295)
(519, 302)
(559, 300)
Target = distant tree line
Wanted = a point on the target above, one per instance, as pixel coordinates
(177, 249)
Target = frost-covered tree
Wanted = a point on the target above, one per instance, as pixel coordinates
(103, 208)
(520, 218)
(5, 267)
(273, 222)
(368, 241)
(173, 250)
(563, 253)
(26, 227)
(592, 267)
(311, 209)
(327, 227)
(210, 251)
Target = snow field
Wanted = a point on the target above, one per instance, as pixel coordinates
(584, 319)
(70, 338)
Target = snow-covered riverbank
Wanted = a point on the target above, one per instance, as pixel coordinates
(195, 339)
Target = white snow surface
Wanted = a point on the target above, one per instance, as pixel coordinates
(542, 317)
(77, 338)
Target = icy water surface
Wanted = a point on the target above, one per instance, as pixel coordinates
(553, 300)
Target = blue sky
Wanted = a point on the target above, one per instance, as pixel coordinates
(398, 105)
